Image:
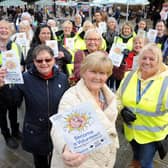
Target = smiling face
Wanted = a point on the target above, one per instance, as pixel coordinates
(5, 30)
(138, 44)
(126, 30)
(67, 28)
(87, 25)
(98, 17)
(94, 80)
(95, 69)
(23, 28)
(148, 64)
(51, 23)
(160, 27)
(111, 25)
(44, 62)
(45, 34)
(77, 20)
(93, 41)
(142, 25)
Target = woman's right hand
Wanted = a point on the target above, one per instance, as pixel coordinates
(73, 159)
(3, 72)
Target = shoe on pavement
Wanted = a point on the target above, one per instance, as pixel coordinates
(12, 143)
(17, 135)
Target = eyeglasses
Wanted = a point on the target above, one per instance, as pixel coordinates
(93, 39)
(47, 60)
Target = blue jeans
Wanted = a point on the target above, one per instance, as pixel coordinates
(144, 153)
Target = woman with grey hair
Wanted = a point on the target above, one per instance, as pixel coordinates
(77, 23)
(112, 31)
(93, 40)
(27, 16)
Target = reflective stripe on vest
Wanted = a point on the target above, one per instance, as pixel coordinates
(126, 81)
(144, 128)
(129, 44)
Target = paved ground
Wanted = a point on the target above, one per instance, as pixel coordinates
(124, 154)
(21, 159)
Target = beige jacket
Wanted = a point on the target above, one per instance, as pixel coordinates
(101, 158)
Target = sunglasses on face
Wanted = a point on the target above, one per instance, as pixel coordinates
(47, 60)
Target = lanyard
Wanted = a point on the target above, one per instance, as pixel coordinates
(139, 94)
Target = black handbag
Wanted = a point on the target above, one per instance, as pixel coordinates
(162, 147)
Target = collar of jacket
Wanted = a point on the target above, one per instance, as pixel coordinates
(82, 34)
(61, 33)
(126, 38)
(58, 33)
(33, 71)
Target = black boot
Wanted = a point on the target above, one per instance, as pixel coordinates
(17, 135)
(16, 132)
(11, 142)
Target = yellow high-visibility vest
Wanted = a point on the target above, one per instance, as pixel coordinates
(129, 44)
(15, 48)
(151, 111)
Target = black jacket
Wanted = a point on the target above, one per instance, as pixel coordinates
(60, 36)
(41, 99)
(109, 38)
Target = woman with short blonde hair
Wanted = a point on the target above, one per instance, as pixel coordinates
(155, 50)
(142, 100)
(92, 88)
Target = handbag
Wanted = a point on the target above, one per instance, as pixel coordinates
(162, 147)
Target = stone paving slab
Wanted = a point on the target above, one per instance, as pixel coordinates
(20, 159)
(124, 154)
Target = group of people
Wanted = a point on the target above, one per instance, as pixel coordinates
(47, 89)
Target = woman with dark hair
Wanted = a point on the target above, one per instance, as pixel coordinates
(43, 87)
(141, 25)
(161, 34)
(41, 35)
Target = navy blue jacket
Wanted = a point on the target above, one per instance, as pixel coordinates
(41, 99)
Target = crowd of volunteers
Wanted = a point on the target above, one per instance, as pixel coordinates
(80, 68)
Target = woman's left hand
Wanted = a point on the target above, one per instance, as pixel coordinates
(3, 72)
(60, 54)
(73, 159)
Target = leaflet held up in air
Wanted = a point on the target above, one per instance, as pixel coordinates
(11, 62)
(116, 54)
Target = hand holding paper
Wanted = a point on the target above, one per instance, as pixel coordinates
(73, 159)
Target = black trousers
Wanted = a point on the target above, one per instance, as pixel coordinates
(42, 161)
(10, 111)
(113, 83)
